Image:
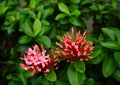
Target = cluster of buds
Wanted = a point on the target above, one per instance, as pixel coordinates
(74, 47)
(38, 61)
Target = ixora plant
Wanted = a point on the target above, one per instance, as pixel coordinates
(74, 49)
(51, 42)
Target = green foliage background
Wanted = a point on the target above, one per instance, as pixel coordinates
(26, 22)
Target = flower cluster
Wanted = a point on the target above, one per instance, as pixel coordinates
(38, 61)
(74, 47)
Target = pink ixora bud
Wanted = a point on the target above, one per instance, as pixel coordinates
(37, 60)
(74, 47)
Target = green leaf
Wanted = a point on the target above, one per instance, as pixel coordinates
(75, 78)
(3, 9)
(76, 12)
(63, 8)
(51, 76)
(114, 3)
(80, 66)
(97, 59)
(60, 82)
(108, 32)
(60, 16)
(75, 21)
(12, 51)
(53, 31)
(24, 39)
(47, 12)
(33, 3)
(36, 27)
(32, 14)
(110, 44)
(94, 7)
(75, 1)
(117, 56)
(89, 81)
(117, 33)
(27, 28)
(108, 66)
(116, 75)
(97, 51)
(44, 40)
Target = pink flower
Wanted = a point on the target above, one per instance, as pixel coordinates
(74, 47)
(38, 61)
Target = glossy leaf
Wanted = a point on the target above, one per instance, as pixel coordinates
(80, 66)
(116, 75)
(27, 28)
(110, 44)
(44, 40)
(24, 39)
(108, 66)
(76, 12)
(117, 33)
(36, 27)
(97, 59)
(60, 16)
(63, 8)
(117, 56)
(75, 21)
(97, 51)
(75, 77)
(108, 32)
(51, 76)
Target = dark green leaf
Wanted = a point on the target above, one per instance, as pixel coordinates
(89, 81)
(63, 8)
(108, 66)
(97, 59)
(117, 33)
(75, 78)
(75, 1)
(116, 75)
(75, 21)
(58, 82)
(36, 27)
(12, 51)
(117, 56)
(27, 28)
(80, 66)
(108, 32)
(60, 16)
(51, 76)
(110, 44)
(94, 7)
(24, 39)
(97, 51)
(44, 40)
